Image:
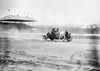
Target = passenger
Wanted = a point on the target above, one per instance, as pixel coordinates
(66, 34)
(57, 32)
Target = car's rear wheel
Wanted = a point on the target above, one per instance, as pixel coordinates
(61, 37)
(69, 39)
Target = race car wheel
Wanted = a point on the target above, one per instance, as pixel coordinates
(44, 37)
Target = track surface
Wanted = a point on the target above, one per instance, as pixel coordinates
(39, 46)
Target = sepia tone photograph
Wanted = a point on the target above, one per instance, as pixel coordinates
(49, 35)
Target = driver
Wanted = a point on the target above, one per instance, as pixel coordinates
(53, 31)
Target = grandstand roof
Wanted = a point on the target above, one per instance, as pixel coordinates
(17, 18)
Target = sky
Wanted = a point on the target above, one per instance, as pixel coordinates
(54, 12)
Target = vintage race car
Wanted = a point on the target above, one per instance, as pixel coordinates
(59, 36)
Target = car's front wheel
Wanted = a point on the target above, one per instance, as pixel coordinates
(44, 37)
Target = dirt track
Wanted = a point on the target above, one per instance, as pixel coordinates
(21, 51)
